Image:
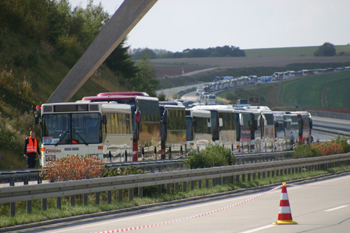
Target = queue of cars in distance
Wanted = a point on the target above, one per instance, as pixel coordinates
(220, 83)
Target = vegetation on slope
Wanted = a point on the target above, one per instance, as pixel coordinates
(40, 41)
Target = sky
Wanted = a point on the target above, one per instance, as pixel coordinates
(175, 25)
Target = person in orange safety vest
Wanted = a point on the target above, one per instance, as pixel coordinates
(31, 148)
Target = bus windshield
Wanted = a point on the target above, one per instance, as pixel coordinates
(72, 128)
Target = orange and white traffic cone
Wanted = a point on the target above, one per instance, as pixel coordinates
(284, 215)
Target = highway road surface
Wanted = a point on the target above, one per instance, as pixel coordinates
(322, 206)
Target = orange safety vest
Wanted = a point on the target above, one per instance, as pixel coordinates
(32, 148)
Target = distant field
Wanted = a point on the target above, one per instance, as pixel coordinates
(272, 57)
(292, 51)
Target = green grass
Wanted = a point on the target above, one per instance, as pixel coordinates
(307, 91)
(292, 51)
(304, 91)
(37, 215)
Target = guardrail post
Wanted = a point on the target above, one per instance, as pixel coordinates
(259, 175)
(140, 192)
(109, 197)
(169, 152)
(192, 185)
(85, 199)
(97, 198)
(249, 177)
(25, 181)
(120, 195)
(155, 153)
(29, 207)
(160, 189)
(254, 176)
(44, 204)
(243, 177)
(184, 184)
(13, 208)
(167, 188)
(176, 186)
(72, 200)
(131, 194)
(237, 178)
(199, 184)
(207, 183)
(59, 202)
(126, 156)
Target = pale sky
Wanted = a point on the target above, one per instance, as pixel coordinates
(175, 25)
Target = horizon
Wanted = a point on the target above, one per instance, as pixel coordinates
(176, 25)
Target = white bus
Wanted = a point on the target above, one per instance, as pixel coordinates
(198, 129)
(99, 129)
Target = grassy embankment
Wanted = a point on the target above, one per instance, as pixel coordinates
(39, 69)
(302, 91)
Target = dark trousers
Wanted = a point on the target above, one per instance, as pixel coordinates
(31, 160)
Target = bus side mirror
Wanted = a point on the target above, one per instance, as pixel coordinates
(138, 116)
(104, 119)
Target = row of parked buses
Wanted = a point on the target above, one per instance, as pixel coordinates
(128, 126)
(255, 126)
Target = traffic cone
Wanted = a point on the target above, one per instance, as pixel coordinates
(284, 215)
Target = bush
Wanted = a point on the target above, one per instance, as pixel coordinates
(328, 148)
(304, 151)
(343, 141)
(121, 171)
(213, 155)
(73, 167)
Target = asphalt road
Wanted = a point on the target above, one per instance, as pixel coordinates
(322, 206)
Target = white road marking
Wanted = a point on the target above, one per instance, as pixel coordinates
(337, 208)
(258, 229)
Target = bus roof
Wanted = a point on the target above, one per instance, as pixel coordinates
(117, 97)
(123, 93)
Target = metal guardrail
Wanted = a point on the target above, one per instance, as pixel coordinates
(10, 177)
(335, 115)
(58, 190)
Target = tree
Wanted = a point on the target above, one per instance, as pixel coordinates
(120, 62)
(145, 77)
(325, 50)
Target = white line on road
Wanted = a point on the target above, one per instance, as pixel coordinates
(258, 229)
(337, 208)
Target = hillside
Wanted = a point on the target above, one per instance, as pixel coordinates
(29, 73)
(320, 91)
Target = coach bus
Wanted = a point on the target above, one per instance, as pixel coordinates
(145, 121)
(98, 129)
(173, 128)
(198, 129)
(304, 125)
(224, 124)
